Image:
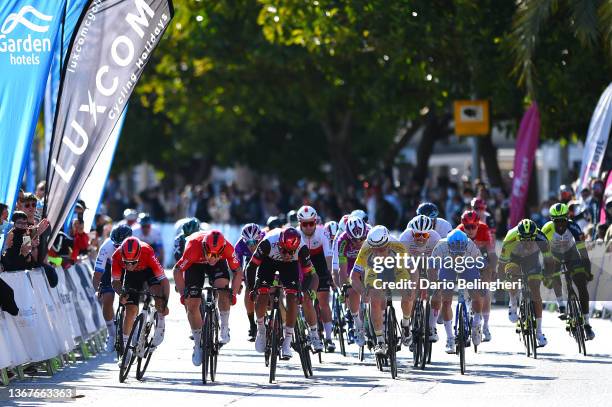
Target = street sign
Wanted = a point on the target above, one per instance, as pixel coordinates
(471, 117)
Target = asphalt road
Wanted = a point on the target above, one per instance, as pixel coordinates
(498, 375)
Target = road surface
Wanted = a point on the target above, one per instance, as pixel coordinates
(499, 375)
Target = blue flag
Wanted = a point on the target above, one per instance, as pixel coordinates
(28, 30)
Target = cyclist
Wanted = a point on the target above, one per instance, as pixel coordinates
(479, 205)
(440, 225)
(349, 244)
(273, 222)
(567, 243)
(566, 194)
(130, 218)
(250, 236)
(379, 244)
(292, 219)
(480, 234)
(102, 278)
(135, 263)
(445, 258)
(335, 260)
(280, 250)
(320, 254)
(419, 239)
(360, 214)
(148, 233)
(521, 250)
(331, 230)
(187, 229)
(207, 253)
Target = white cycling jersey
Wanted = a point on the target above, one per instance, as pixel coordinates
(334, 249)
(268, 247)
(441, 253)
(442, 227)
(317, 243)
(154, 237)
(416, 249)
(105, 255)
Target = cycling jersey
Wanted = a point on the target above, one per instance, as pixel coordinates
(441, 253)
(194, 253)
(105, 255)
(268, 248)
(513, 247)
(146, 261)
(317, 243)
(348, 250)
(179, 246)
(417, 249)
(367, 261)
(335, 252)
(570, 239)
(442, 227)
(242, 252)
(489, 220)
(482, 239)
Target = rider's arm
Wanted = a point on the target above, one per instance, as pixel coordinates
(261, 253)
(116, 269)
(234, 264)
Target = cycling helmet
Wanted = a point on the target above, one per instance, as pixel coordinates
(559, 211)
(331, 228)
(191, 226)
(289, 239)
(130, 249)
(378, 236)
(251, 232)
(470, 217)
(566, 192)
(457, 241)
(342, 223)
(355, 228)
(360, 214)
(307, 214)
(292, 218)
(420, 223)
(428, 209)
(527, 229)
(145, 219)
(120, 233)
(478, 204)
(274, 222)
(213, 243)
(130, 214)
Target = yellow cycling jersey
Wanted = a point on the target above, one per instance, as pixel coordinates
(395, 266)
(514, 247)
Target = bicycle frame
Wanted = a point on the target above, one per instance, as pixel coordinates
(574, 319)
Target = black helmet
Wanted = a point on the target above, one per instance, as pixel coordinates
(120, 233)
(274, 222)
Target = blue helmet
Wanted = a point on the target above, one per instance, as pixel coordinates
(457, 241)
(428, 209)
(191, 226)
(120, 233)
(145, 219)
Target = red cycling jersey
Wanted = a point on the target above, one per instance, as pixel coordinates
(482, 238)
(147, 260)
(194, 253)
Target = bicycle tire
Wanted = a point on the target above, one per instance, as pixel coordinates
(416, 333)
(214, 345)
(392, 341)
(124, 370)
(140, 372)
(298, 345)
(426, 358)
(204, 345)
(119, 316)
(461, 337)
(276, 326)
(533, 330)
(524, 331)
(576, 324)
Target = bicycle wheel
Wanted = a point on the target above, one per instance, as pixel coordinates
(141, 367)
(276, 326)
(524, 331)
(426, 358)
(392, 341)
(533, 329)
(131, 346)
(417, 320)
(214, 345)
(205, 344)
(576, 323)
(119, 315)
(461, 337)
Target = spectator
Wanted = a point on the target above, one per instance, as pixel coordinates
(41, 189)
(20, 253)
(80, 244)
(5, 225)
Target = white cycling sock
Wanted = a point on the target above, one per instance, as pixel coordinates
(477, 319)
(161, 322)
(539, 325)
(125, 339)
(433, 318)
(586, 319)
(110, 327)
(328, 330)
(358, 322)
(197, 333)
(513, 301)
(448, 326)
(288, 332)
(485, 318)
(224, 319)
(405, 321)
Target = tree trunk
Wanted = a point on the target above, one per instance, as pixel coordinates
(404, 135)
(337, 137)
(488, 153)
(436, 128)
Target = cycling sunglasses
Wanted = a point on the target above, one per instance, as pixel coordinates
(213, 255)
(287, 252)
(470, 227)
(308, 224)
(421, 235)
(251, 242)
(130, 262)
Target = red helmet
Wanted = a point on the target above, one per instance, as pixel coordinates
(213, 243)
(130, 249)
(470, 218)
(479, 204)
(290, 239)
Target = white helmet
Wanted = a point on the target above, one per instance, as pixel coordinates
(342, 223)
(378, 236)
(355, 228)
(307, 213)
(360, 214)
(331, 228)
(420, 223)
(130, 214)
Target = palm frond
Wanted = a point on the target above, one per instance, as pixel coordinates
(605, 22)
(584, 15)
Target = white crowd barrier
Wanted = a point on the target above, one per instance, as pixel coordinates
(51, 321)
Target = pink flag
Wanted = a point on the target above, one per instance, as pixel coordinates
(607, 193)
(526, 146)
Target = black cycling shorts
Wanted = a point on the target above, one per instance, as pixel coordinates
(197, 273)
(138, 280)
(289, 274)
(320, 265)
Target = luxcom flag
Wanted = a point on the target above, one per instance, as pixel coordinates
(28, 30)
(109, 50)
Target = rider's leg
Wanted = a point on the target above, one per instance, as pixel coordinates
(534, 287)
(326, 315)
(377, 303)
(447, 312)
